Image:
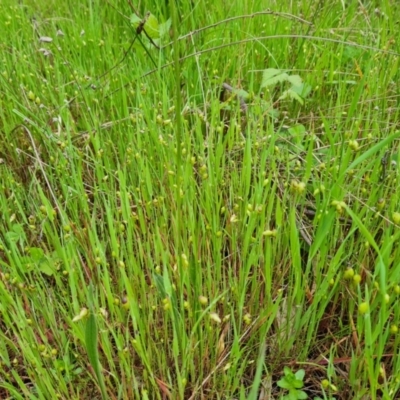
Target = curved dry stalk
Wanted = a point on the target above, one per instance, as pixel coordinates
(227, 20)
(261, 38)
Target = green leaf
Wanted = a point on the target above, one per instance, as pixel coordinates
(167, 283)
(12, 237)
(300, 374)
(267, 107)
(284, 384)
(36, 253)
(91, 342)
(26, 264)
(295, 80)
(46, 268)
(16, 234)
(159, 281)
(287, 371)
(301, 395)
(164, 27)
(291, 94)
(302, 90)
(92, 349)
(272, 76)
(254, 393)
(151, 27)
(273, 113)
(292, 394)
(297, 130)
(241, 93)
(297, 383)
(77, 371)
(135, 20)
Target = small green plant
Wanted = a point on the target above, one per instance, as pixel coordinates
(153, 30)
(293, 382)
(297, 90)
(290, 87)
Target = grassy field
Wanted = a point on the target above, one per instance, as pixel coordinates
(201, 202)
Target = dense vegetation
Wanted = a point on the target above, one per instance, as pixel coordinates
(199, 200)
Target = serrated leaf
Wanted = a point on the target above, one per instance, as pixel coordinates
(272, 76)
(295, 80)
(151, 27)
(292, 95)
(267, 108)
(302, 90)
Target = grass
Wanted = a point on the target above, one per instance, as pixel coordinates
(162, 240)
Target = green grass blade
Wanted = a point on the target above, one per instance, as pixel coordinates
(91, 337)
(370, 152)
